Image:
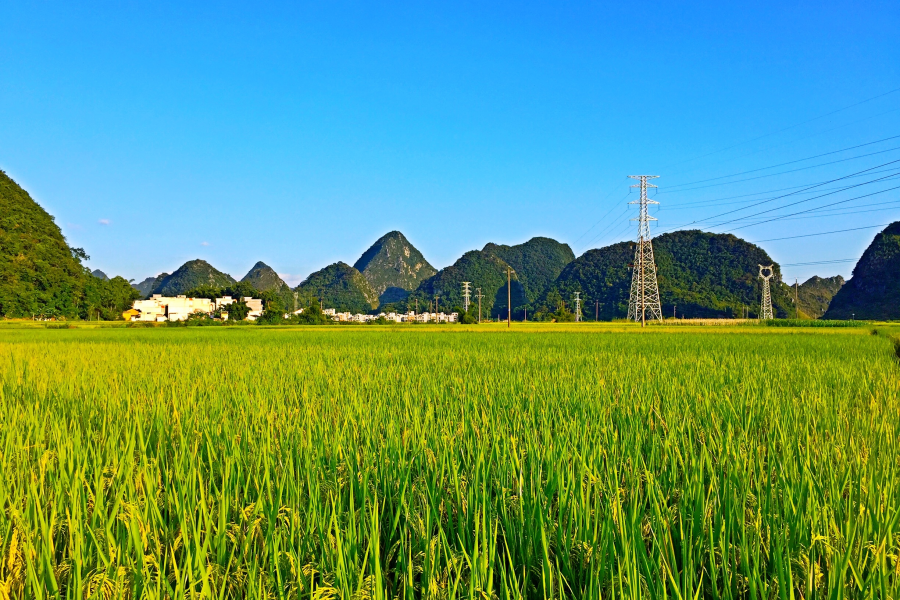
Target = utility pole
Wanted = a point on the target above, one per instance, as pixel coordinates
(479, 295)
(417, 306)
(465, 290)
(508, 296)
(577, 307)
(597, 311)
(766, 306)
(674, 306)
(644, 289)
(796, 298)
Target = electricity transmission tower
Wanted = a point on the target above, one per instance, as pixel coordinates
(644, 290)
(766, 306)
(577, 306)
(479, 295)
(466, 291)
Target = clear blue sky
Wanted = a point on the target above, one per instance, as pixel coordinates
(298, 135)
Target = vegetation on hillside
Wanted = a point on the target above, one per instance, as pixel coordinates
(40, 275)
(816, 293)
(393, 267)
(486, 271)
(149, 284)
(700, 275)
(537, 262)
(192, 274)
(874, 290)
(338, 286)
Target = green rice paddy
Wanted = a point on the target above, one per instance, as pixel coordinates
(438, 462)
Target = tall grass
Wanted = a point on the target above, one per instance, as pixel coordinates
(428, 463)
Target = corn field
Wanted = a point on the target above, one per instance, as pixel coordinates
(546, 462)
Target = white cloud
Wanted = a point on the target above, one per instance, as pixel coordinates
(104, 221)
(204, 243)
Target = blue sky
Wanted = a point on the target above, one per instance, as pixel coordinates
(297, 134)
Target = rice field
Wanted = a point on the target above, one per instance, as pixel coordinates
(583, 461)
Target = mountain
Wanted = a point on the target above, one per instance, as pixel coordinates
(99, 274)
(393, 267)
(192, 274)
(341, 287)
(699, 275)
(484, 270)
(264, 278)
(149, 284)
(873, 293)
(537, 262)
(816, 293)
(39, 272)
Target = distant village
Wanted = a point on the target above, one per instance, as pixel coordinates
(159, 308)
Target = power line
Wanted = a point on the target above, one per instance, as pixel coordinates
(786, 172)
(798, 192)
(603, 217)
(609, 226)
(718, 201)
(822, 262)
(812, 209)
(801, 138)
(786, 128)
(671, 189)
(794, 237)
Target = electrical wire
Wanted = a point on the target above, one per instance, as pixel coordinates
(786, 128)
(822, 262)
(814, 209)
(760, 203)
(703, 187)
(794, 237)
(603, 217)
(670, 189)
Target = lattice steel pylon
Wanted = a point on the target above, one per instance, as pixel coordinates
(766, 304)
(466, 292)
(577, 306)
(644, 296)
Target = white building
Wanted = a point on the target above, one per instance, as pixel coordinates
(179, 308)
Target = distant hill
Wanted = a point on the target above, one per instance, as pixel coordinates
(264, 278)
(341, 287)
(700, 274)
(485, 270)
(873, 293)
(393, 267)
(192, 274)
(39, 272)
(816, 294)
(99, 274)
(537, 262)
(149, 284)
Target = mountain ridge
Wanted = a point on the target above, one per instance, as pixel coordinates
(873, 292)
(393, 267)
(192, 274)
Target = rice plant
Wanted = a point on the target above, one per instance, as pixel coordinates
(549, 462)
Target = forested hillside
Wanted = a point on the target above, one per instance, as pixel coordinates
(40, 274)
(700, 275)
(393, 267)
(485, 271)
(537, 262)
(816, 293)
(338, 286)
(874, 290)
(192, 274)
